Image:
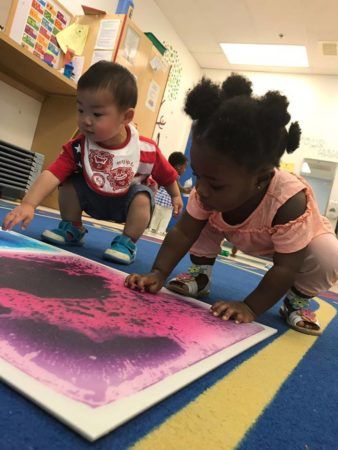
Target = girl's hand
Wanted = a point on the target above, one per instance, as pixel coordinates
(150, 282)
(177, 203)
(237, 311)
(23, 213)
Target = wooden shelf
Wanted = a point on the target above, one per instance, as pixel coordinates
(23, 67)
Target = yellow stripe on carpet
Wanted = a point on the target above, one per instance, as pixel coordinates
(220, 417)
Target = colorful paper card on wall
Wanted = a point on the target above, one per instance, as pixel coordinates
(36, 24)
(90, 351)
(73, 37)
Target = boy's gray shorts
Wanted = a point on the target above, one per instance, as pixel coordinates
(104, 207)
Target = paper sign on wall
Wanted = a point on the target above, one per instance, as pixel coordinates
(130, 45)
(78, 63)
(107, 35)
(73, 37)
(153, 95)
(101, 55)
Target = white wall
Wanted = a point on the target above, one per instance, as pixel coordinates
(19, 115)
(74, 6)
(313, 102)
(175, 133)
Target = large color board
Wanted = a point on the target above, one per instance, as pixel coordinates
(92, 352)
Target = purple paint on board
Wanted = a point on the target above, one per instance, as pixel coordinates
(72, 325)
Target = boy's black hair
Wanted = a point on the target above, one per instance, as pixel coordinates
(112, 76)
(177, 159)
(250, 130)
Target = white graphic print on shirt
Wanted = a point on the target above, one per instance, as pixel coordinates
(111, 171)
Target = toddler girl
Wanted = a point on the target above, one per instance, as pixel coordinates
(242, 196)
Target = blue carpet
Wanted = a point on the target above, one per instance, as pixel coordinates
(302, 414)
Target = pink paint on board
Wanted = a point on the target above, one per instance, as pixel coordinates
(71, 324)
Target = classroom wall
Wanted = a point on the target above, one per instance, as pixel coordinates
(19, 116)
(185, 73)
(313, 102)
(313, 99)
(74, 6)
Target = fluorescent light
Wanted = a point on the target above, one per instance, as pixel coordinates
(306, 167)
(266, 55)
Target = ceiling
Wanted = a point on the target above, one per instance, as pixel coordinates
(203, 24)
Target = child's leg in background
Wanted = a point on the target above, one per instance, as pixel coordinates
(156, 218)
(166, 214)
(160, 219)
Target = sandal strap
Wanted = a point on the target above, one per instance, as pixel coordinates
(196, 269)
(193, 272)
(302, 315)
(296, 301)
(189, 279)
(66, 228)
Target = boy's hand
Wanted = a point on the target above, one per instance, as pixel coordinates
(23, 213)
(150, 282)
(237, 311)
(187, 190)
(177, 203)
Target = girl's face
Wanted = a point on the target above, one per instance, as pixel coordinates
(99, 118)
(221, 183)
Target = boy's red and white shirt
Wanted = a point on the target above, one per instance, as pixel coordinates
(112, 170)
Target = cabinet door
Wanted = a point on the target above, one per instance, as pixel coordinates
(56, 125)
(5, 6)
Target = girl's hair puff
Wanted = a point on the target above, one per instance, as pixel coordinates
(250, 130)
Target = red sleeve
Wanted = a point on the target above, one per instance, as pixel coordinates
(64, 165)
(163, 172)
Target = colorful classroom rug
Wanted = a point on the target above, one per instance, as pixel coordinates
(280, 394)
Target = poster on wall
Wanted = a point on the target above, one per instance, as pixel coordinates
(153, 95)
(92, 352)
(107, 34)
(35, 26)
(130, 45)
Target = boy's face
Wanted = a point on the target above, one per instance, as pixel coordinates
(180, 168)
(100, 119)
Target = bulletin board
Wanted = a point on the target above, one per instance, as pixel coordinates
(139, 55)
(103, 37)
(35, 23)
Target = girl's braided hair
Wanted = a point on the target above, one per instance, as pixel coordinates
(250, 130)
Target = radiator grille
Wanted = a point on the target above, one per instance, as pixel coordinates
(18, 170)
